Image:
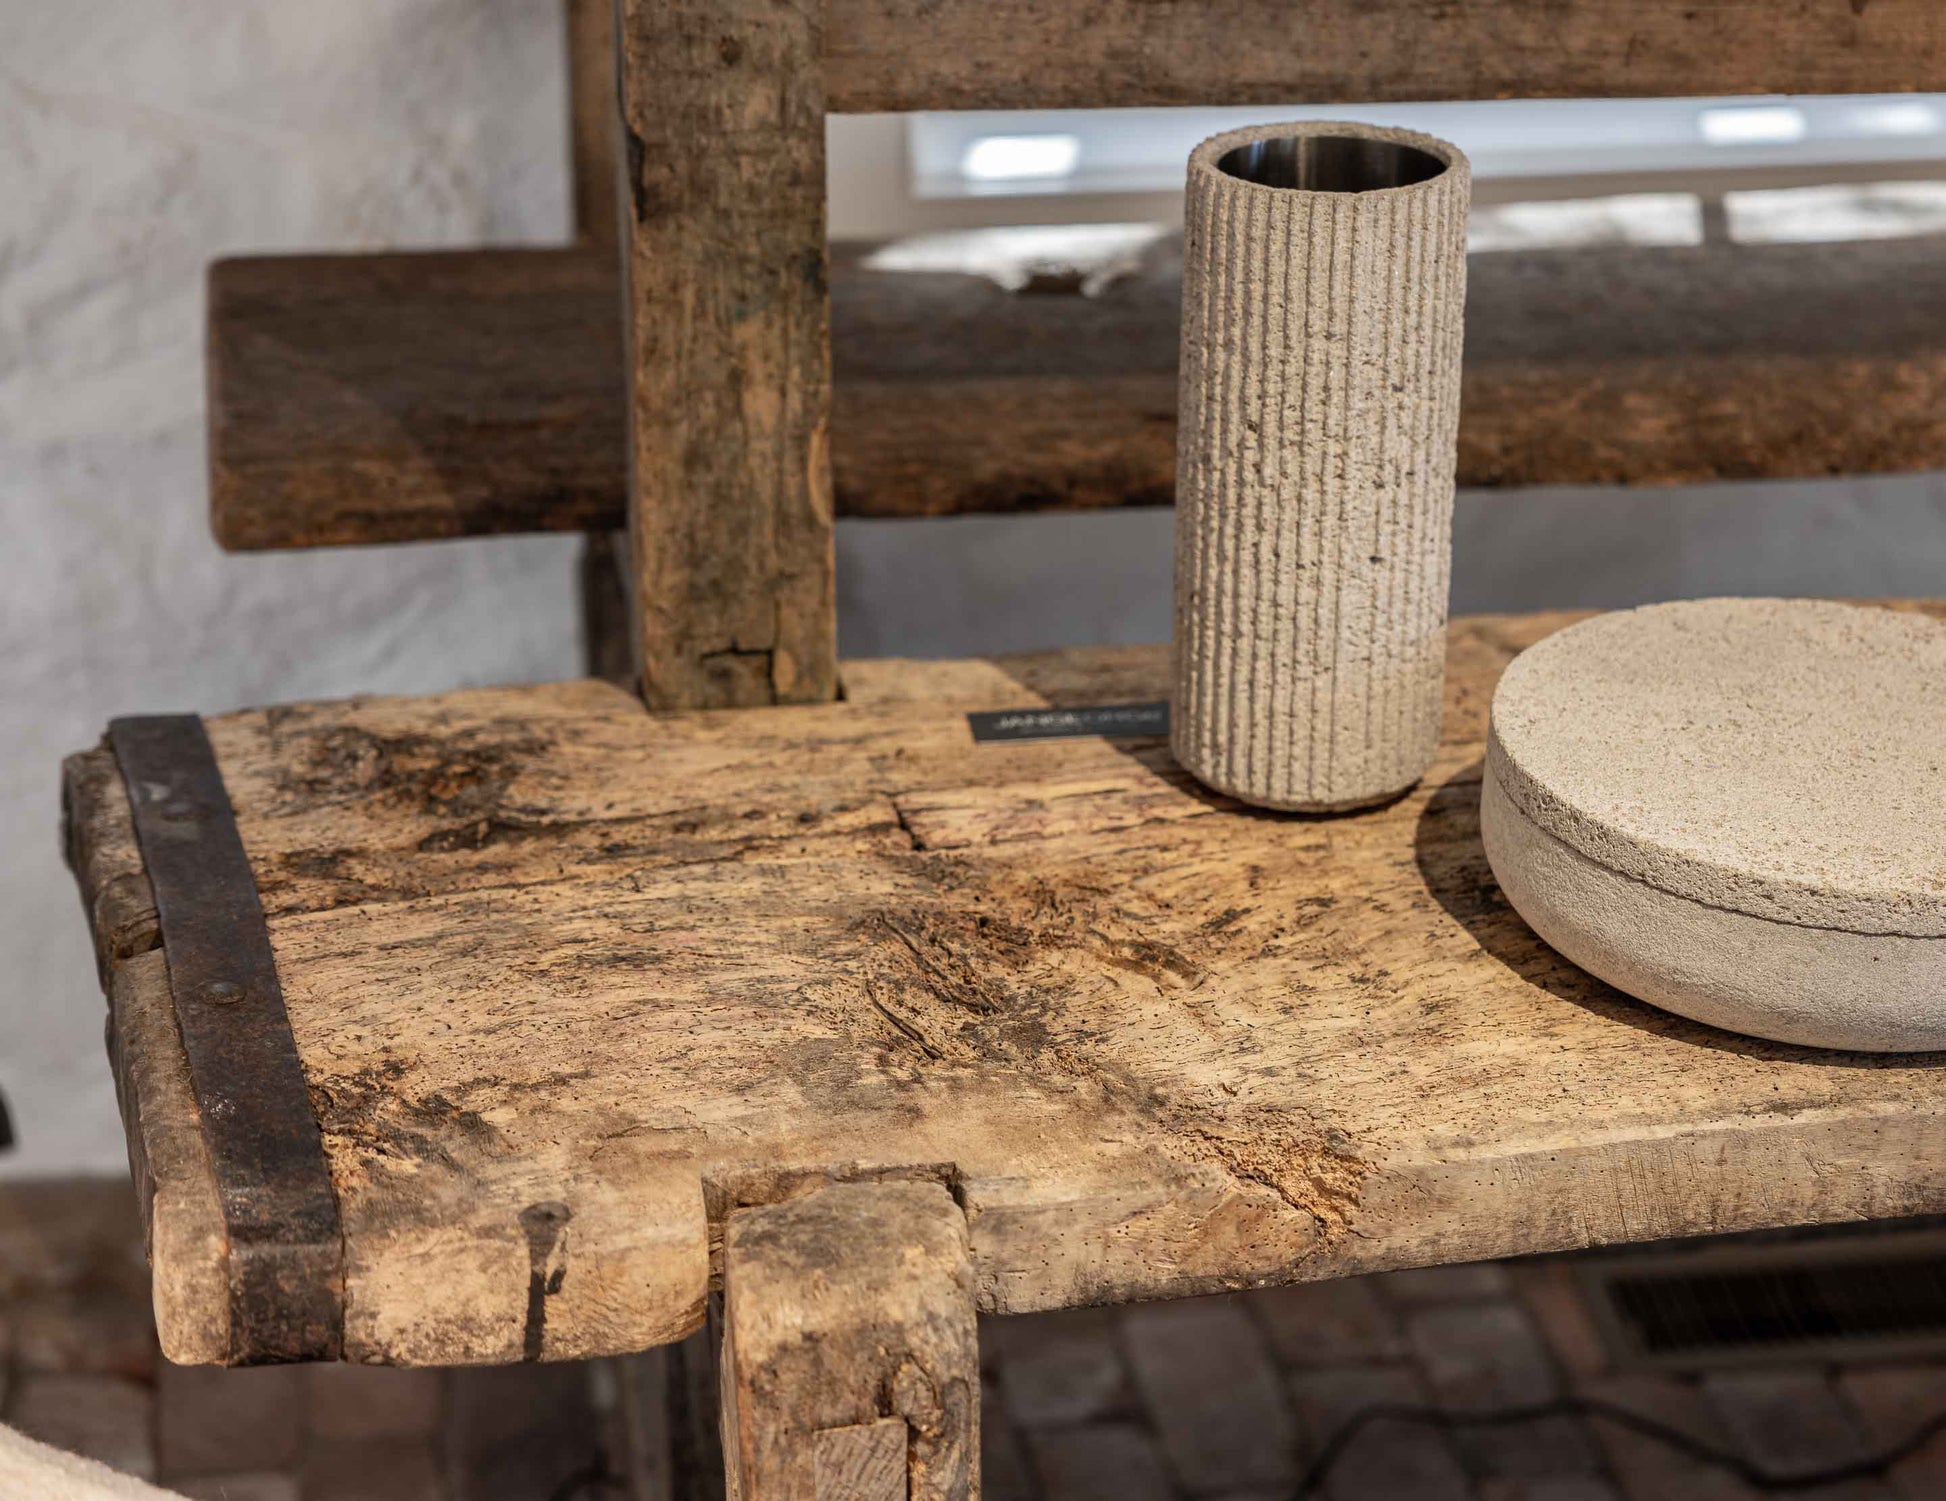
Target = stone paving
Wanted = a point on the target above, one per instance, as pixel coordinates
(1214, 1399)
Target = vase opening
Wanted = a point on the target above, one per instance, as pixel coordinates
(1330, 164)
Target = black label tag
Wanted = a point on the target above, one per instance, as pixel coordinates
(1110, 721)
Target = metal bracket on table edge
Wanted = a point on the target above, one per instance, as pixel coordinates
(280, 1212)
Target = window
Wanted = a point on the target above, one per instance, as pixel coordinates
(1547, 172)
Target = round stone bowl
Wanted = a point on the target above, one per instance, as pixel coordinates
(1735, 809)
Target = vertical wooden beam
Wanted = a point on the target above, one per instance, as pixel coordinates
(729, 351)
(850, 1365)
(667, 1420)
(607, 639)
(594, 129)
(593, 124)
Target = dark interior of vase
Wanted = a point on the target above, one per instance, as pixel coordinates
(1330, 164)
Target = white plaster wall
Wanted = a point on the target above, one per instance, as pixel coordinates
(138, 140)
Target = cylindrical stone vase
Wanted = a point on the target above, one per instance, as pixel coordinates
(1324, 277)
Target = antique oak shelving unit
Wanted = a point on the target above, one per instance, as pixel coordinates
(595, 1014)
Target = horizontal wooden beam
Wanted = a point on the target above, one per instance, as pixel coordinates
(389, 398)
(398, 397)
(1049, 54)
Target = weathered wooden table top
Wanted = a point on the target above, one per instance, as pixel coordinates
(540, 946)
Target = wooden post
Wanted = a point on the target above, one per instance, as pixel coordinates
(729, 355)
(850, 1365)
(593, 126)
(666, 1420)
(607, 649)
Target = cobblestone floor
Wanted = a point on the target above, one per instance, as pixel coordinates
(1215, 1399)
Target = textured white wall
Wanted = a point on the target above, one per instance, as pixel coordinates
(137, 142)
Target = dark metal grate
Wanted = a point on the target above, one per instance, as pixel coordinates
(1844, 1297)
(1863, 1300)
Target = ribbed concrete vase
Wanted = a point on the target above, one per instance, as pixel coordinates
(1324, 278)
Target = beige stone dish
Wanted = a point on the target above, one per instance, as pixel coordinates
(1736, 809)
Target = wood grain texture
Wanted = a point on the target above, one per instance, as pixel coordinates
(594, 123)
(865, 1462)
(1027, 54)
(850, 1362)
(169, 1160)
(541, 947)
(375, 399)
(397, 397)
(729, 352)
(98, 836)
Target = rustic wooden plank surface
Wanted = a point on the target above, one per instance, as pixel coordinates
(541, 947)
(1029, 54)
(383, 399)
(850, 1362)
(729, 352)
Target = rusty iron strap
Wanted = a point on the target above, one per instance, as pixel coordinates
(279, 1209)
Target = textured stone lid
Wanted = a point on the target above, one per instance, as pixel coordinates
(1782, 758)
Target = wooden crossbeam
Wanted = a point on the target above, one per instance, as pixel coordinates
(392, 398)
(1032, 54)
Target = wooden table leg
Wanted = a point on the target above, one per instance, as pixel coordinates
(850, 1366)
